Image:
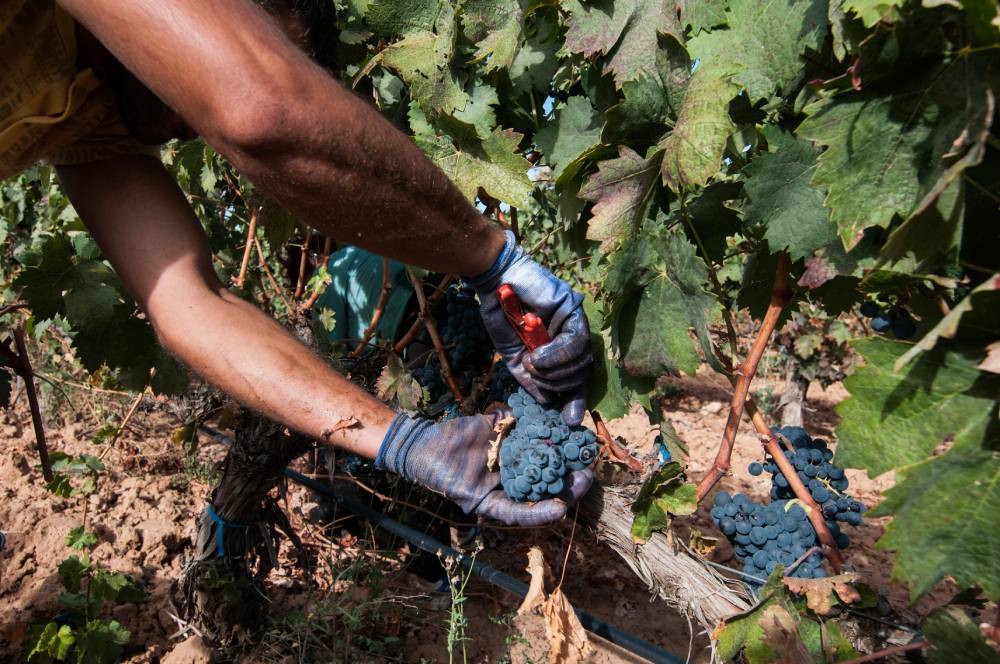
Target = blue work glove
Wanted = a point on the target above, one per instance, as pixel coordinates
(449, 458)
(560, 367)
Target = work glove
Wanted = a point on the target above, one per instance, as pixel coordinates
(449, 458)
(560, 367)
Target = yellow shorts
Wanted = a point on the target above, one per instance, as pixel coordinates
(49, 110)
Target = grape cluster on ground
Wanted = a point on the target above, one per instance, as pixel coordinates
(895, 319)
(541, 449)
(765, 536)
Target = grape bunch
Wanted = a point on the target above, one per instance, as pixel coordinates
(765, 536)
(896, 319)
(463, 334)
(826, 482)
(540, 450)
(502, 385)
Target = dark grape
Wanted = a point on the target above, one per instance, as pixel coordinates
(755, 469)
(882, 322)
(904, 327)
(869, 309)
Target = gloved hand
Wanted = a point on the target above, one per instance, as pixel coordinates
(560, 366)
(450, 458)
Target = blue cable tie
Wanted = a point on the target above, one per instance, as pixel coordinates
(220, 547)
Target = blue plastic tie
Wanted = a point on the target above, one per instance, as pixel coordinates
(220, 547)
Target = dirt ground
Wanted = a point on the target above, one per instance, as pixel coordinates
(147, 503)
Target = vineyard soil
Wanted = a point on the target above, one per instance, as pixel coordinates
(145, 508)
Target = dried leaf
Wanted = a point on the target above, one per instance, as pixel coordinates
(568, 642)
(341, 424)
(500, 432)
(536, 588)
(782, 636)
(818, 592)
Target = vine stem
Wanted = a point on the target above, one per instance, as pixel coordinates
(780, 295)
(610, 446)
(125, 421)
(813, 510)
(379, 309)
(21, 365)
(425, 315)
(300, 282)
(270, 275)
(881, 654)
(308, 304)
(418, 324)
(251, 236)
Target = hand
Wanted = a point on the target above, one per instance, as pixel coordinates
(450, 458)
(560, 366)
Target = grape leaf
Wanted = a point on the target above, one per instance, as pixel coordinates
(72, 571)
(896, 419)
(620, 190)
(494, 164)
(952, 632)
(872, 11)
(893, 151)
(536, 62)
(478, 113)
(627, 31)
(980, 309)
(55, 641)
(605, 393)
(390, 18)
(702, 14)
(575, 130)
(781, 200)
(396, 382)
(665, 493)
(80, 539)
(944, 512)
(930, 239)
(671, 304)
(422, 58)
(106, 637)
(693, 150)
(651, 100)
(496, 27)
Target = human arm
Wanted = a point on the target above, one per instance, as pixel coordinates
(148, 232)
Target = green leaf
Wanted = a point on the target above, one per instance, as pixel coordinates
(54, 641)
(102, 642)
(952, 632)
(693, 150)
(665, 493)
(72, 571)
(535, 64)
(478, 113)
(115, 587)
(495, 164)
(896, 419)
(980, 310)
(702, 14)
(496, 27)
(423, 59)
(781, 200)
(44, 278)
(327, 319)
(872, 11)
(390, 18)
(671, 305)
(80, 539)
(626, 30)
(575, 130)
(397, 383)
(929, 240)
(620, 190)
(892, 152)
(605, 393)
(652, 101)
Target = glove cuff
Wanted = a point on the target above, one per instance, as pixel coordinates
(489, 281)
(400, 438)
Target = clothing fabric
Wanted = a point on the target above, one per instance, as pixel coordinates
(49, 108)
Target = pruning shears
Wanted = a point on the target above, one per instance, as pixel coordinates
(528, 326)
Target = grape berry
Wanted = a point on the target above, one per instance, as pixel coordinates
(540, 450)
(896, 320)
(765, 536)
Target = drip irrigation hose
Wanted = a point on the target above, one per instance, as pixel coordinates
(605, 630)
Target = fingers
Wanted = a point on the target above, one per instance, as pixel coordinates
(576, 485)
(571, 343)
(498, 506)
(574, 407)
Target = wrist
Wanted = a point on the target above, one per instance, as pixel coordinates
(488, 281)
(397, 446)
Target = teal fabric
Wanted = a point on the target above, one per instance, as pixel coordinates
(353, 293)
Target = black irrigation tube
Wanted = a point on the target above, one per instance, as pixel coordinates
(607, 631)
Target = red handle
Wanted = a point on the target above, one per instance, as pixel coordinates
(528, 326)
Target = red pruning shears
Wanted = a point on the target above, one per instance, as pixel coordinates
(528, 326)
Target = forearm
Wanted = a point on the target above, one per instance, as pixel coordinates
(241, 350)
(298, 134)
